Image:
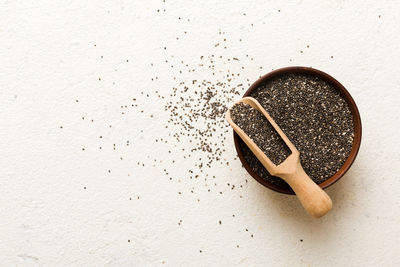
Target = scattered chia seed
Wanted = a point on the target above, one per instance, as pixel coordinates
(197, 108)
(315, 118)
(260, 130)
(193, 130)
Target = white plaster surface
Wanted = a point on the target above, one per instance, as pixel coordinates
(59, 204)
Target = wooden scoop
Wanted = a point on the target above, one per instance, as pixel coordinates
(312, 197)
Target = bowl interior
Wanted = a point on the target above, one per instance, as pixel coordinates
(284, 188)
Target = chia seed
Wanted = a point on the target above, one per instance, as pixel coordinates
(260, 130)
(315, 118)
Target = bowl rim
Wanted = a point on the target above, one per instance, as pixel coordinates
(342, 91)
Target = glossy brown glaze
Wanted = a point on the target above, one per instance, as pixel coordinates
(343, 92)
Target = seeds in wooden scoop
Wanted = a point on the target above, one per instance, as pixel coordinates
(260, 130)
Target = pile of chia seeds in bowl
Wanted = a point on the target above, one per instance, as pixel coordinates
(315, 118)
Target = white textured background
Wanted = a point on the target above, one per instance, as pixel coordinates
(60, 205)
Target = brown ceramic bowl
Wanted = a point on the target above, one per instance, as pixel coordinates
(343, 92)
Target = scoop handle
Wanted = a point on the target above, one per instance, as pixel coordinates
(316, 202)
